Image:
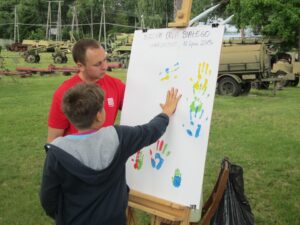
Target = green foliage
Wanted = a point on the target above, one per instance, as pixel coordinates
(154, 13)
(125, 13)
(37, 34)
(6, 19)
(275, 18)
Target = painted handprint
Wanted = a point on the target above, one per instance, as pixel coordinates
(138, 160)
(157, 158)
(196, 107)
(200, 84)
(169, 72)
(196, 114)
(176, 180)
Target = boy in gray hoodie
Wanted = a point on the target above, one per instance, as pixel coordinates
(84, 179)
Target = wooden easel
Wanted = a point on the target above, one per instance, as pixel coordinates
(182, 15)
(169, 213)
(159, 209)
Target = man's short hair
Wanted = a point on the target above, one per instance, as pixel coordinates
(82, 103)
(80, 47)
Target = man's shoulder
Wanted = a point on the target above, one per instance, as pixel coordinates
(67, 84)
(109, 78)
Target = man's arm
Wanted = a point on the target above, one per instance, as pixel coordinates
(54, 133)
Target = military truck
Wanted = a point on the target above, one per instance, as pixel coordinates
(244, 62)
(119, 48)
(289, 61)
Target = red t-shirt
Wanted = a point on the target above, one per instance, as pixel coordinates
(113, 100)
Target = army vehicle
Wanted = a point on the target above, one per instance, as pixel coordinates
(59, 49)
(244, 62)
(290, 62)
(32, 54)
(119, 48)
(60, 55)
(60, 52)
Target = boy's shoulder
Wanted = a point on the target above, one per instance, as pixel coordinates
(95, 150)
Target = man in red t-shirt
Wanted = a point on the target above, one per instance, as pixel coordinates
(91, 60)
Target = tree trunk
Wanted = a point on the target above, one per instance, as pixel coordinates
(177, 5)
(242, 32)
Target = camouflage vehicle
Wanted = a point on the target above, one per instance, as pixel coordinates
(59, 49)
(32, 55)
(288, 61)
(245, 62)
(119, 48)
(60, 55)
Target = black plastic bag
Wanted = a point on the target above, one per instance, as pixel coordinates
(234, 208)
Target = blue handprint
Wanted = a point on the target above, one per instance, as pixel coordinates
(176, 180)
(196, 114)
(161, 150)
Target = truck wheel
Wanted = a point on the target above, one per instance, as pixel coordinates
(58, 60)
(286, 83)
(246, 87)
(37, 58)
(65, 59)
(30, 59)
(229, 86)
(295, 82)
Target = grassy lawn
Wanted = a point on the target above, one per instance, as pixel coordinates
(260, 132)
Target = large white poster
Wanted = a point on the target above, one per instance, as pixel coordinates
(187, 59)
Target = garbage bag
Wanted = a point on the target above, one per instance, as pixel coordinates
(234, 208)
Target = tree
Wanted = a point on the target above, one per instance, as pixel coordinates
(7, 19)
(274, 18)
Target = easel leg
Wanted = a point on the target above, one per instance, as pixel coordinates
(131, 218)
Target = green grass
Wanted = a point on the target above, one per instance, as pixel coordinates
(260, 132)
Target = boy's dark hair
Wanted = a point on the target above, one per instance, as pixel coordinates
(79, 49)
(81, 104)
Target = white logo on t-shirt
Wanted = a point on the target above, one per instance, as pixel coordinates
(110, 102)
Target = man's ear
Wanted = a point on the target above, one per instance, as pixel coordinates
(80, 66)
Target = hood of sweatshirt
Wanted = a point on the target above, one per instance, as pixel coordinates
(92, 158)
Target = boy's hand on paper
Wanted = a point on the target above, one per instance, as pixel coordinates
(171, 102)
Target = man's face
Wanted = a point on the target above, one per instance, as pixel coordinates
(95, 64)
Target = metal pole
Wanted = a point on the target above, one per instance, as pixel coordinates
(92, 27)
(58, 32)
(104, 25)
(48, 21)
(73, 19)
(100, 28)
(16, 27)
